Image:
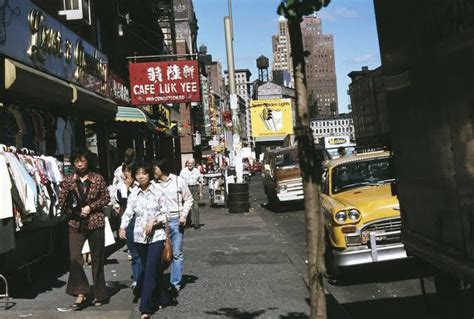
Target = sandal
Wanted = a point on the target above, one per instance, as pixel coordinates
(79, 305)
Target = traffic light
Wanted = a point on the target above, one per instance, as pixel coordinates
(269, 114)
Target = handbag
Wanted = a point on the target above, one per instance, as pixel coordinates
(167, 253)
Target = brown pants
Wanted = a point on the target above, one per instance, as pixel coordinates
(78, 283)
(195, 208)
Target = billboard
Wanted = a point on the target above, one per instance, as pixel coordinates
(271, 117)
(164, 82)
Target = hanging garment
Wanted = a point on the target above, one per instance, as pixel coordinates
(8, 127)
(50, 137)
(53, 169)
(28, 137)
(60, 126)
(21, 127)
(67, 138)
(6, 208)
(31, 166)
(40, 143)
(25, 184)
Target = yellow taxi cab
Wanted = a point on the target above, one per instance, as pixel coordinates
(362, 216)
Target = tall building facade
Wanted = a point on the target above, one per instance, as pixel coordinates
(243, 89)
(369, 106)
(190, 114)
(282, 50)
(320, 68)
(320, 64)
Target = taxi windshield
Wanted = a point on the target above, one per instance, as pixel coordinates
(362, 173)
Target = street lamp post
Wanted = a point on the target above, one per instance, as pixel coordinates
(236, 149)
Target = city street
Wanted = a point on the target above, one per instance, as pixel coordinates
(240, 266)
(235, 267)
(401, 289)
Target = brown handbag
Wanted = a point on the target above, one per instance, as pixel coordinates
(167, 253)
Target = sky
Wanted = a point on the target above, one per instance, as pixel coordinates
(352, 22)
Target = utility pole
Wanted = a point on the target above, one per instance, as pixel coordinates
(236, 149)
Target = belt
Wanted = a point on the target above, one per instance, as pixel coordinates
(193, 185)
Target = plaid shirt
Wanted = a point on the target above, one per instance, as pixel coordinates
(97, 199)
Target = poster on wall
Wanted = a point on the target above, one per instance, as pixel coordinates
(271, 117)
(164, 82)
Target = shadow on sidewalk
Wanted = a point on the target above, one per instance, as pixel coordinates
(242, 314)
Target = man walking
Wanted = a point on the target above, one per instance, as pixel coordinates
(193, 178)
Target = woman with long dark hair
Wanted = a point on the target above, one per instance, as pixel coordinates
(147, 204)
(82, 198)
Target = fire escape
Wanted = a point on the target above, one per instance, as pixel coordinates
(163, 12)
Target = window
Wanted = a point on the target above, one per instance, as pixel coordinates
(76, 10)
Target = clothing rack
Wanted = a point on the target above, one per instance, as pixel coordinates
(23, 150)
(25, 266)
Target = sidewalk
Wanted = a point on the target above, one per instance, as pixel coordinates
(235, 267)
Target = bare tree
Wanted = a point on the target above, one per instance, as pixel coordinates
(294, 11)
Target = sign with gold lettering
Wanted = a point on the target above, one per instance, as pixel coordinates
(37, 39)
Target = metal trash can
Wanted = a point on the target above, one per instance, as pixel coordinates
(238, 198)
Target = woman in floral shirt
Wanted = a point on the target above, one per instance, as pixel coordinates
(146, 202)
(83, 195)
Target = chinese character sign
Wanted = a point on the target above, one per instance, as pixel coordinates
(164, 82)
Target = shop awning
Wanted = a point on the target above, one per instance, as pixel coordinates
(92, 105)
(27, 81)
(133, 115)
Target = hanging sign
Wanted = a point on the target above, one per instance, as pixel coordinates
(164, 82)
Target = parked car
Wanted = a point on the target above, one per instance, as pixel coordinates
(282, 176)
(362, 216)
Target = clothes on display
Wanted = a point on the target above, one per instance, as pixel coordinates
(30, 185)
(64, 136)
(36, 130)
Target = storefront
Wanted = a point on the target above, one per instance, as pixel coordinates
(51, 81)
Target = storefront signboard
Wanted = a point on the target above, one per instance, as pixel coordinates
(118, 90)
(164, 82)
(29, 35)
(271, 117)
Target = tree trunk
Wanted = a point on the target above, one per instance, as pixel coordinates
(311, 172)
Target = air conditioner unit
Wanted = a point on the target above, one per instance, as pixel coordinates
(76, 10)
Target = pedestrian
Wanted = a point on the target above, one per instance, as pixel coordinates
(129, 158)
(124, 189)
(147, 203)
(193, 178)
(83, 196)
(179, 200)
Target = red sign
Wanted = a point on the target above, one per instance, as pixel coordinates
(164, 82)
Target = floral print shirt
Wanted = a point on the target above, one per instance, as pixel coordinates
(97, 199)
(146, 205)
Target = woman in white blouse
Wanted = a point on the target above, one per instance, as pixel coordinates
(147, 203)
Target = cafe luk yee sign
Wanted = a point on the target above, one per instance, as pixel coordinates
(164, 82)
